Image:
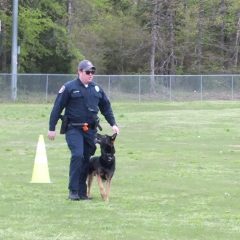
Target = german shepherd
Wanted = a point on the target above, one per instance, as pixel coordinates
(103, 166)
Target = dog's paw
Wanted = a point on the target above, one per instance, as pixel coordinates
(104, 197)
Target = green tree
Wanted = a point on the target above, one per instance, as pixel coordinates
(5, 36)
(124, 36)
(45, 45)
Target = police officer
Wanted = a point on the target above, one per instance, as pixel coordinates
(82, 99)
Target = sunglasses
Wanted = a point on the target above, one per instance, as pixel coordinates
(88, 72)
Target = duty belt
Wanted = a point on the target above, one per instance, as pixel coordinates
(85, 126)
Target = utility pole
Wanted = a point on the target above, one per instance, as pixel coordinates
(14, 50)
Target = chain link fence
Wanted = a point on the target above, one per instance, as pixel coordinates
(44, 87)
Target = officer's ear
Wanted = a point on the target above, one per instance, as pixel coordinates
(79, 71)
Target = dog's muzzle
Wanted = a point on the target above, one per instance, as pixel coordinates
(110, 157)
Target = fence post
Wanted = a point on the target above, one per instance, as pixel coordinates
(232, 87)
(201, 86)
(139, 88)
(170, 88)
(109, 86)
(47, 88)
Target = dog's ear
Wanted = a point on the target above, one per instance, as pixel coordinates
(113, 137)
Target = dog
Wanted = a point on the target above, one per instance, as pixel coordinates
(103, 166)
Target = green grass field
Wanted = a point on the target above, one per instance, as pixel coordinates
(177, 176)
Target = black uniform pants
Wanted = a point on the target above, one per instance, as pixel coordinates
(82, 146)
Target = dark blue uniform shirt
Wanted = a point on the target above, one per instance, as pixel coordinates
(81, 104)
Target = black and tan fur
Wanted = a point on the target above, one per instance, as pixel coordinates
(103, 166)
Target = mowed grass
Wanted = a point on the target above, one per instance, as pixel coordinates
(177, 176)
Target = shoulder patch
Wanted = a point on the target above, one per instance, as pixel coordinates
(62, 89)
(97, 89)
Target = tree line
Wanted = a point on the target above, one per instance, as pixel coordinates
(123, 36)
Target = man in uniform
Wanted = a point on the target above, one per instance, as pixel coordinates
(82, 99)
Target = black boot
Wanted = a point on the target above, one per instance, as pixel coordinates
(85, 198)
(73, 195)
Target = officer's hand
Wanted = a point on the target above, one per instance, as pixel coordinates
(51, 135)
(115, 129)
